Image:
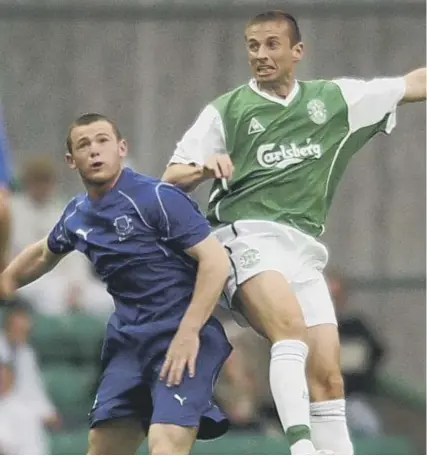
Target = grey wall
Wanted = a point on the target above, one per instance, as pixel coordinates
(153, 69)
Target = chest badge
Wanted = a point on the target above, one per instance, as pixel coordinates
(124, 227)
(317, 111)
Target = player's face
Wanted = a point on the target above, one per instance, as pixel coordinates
(96, 152)
(271, 56)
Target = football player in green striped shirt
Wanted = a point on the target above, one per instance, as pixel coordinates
(276, 149)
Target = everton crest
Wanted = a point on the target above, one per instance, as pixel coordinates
(123, 226)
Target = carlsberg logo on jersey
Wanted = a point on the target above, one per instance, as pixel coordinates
(283, 155)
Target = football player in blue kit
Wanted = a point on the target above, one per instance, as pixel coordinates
(152, 247)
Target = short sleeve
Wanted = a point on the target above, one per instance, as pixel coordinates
(204, 138)
(371, 102)
(178, 218)
(59, 240)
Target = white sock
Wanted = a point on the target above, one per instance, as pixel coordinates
(329, 427)
(289, 389)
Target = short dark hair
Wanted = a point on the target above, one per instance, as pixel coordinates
(87, 119)
(278, 15)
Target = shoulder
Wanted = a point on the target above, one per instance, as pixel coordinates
(146, 192)
(318, 87)
(240, 93)
(138, 186)
(166, 190)
(72, 205)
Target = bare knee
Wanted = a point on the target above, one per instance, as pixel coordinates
(120, 436)
(170, 439)
(271, 307)
(96, 445)
(326, 385)
(287, 328)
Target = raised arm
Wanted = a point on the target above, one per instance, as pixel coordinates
(415, 86)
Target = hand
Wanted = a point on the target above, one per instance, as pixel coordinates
(218, 166)
(182, 353)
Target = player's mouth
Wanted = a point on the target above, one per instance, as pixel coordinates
(96, 165)
(265, 70)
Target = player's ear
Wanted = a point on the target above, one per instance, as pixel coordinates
(70, 160)
(297, 52)
(123, 148)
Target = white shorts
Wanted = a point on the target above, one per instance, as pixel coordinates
(256, 246)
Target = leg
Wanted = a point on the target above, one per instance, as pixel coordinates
(328, 420)
(117, 436)
(170, 439)
(326, 386)
(272, 309)
(189, 405)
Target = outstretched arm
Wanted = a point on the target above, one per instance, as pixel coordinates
(32, 263)
(415, 86)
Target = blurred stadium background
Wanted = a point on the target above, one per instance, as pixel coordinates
(152, 66)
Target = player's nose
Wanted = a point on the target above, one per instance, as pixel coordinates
(262, 54)
(93, 152)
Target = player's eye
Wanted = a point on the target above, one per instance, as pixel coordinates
(273, 44)
(103, 140)
(82, 145)
(253, 47)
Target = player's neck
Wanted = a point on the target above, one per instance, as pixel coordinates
(95, 192)
(279, 89)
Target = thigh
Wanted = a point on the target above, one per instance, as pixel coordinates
(185, 404)
(116, 436)
(271, 307)
(170, 439)
(190, 404)
(120, 395)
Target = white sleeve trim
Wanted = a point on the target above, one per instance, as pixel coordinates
(205, 138)
(370, 101)
(168, 228)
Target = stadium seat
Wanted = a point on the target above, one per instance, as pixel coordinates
(70, 388)
(50, 339)
(75, 338)
(86, 332)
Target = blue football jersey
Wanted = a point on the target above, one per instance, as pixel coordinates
(4, 156)
(135, 236)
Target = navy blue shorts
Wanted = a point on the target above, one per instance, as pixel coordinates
(130, 386)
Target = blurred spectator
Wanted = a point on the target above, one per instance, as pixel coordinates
(361, 353)
(25, 409)
(35, 211)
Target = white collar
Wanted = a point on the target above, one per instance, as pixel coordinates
(283, 101)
